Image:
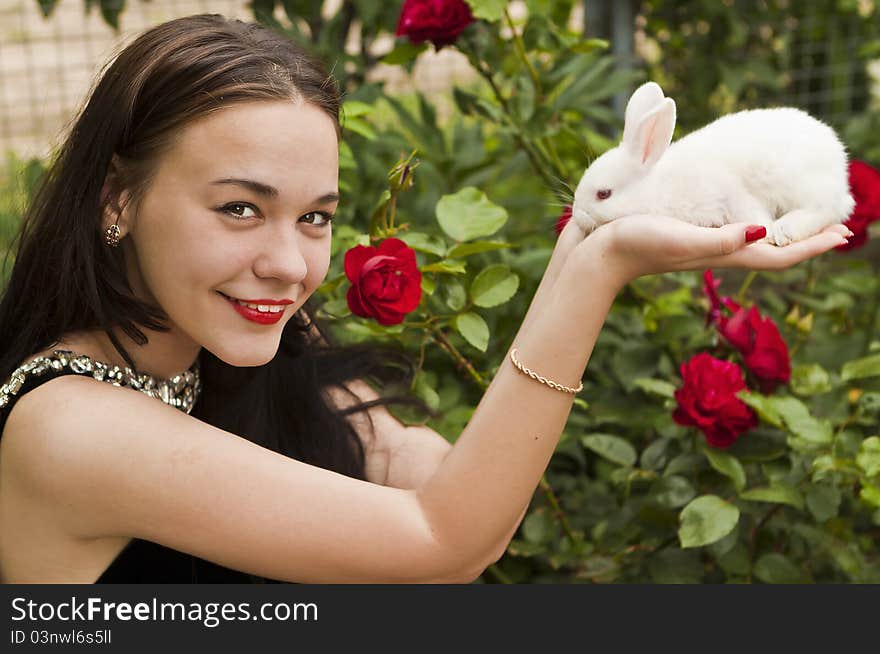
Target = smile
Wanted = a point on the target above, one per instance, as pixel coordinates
(259, 313)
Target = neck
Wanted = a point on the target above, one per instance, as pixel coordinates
(164, 355)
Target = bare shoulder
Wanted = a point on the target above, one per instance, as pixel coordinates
(124, 464)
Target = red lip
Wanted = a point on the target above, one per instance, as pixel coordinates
(263, 318)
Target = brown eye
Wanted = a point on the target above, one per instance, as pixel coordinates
(604, 194)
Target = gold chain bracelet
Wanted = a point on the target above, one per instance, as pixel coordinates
(544, 380)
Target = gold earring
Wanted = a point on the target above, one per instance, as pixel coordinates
(111, 235)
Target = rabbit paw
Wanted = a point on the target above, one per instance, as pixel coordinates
(780, 234)
(796, 225)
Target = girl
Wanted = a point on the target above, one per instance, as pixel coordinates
(171, 413)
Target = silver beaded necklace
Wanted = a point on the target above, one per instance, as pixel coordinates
(180, 391)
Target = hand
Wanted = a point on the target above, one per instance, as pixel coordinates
(648, 244)
(569, 238)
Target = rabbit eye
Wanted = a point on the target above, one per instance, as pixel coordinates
(604, 194)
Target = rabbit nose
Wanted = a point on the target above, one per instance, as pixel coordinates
(583, 219)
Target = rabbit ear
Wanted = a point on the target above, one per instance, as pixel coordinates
(653, 134)
(645, 98)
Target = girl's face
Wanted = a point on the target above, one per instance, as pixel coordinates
(238, 208)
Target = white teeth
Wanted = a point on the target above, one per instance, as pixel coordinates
(265, 308)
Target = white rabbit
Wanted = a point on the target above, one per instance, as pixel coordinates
(780, 168)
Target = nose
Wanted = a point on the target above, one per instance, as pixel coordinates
(281, 256)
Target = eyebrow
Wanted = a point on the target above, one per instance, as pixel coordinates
(270, 191)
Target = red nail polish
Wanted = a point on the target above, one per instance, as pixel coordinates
(755, 232)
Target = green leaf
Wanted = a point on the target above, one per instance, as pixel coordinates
(774, 568)
(538, 527)
(728, 465)
(705, 520)
(654, 456)
(428, 285)
(428, 243)
(823, 501)
(346, 157)
(494, 285)
(672, 492)
(454, 294)
(473, 329)
(794, 415)
(659, 387)
(778, 494)
(338, 307)
(611, 447)
(359, 126)
(490, 10)
(763, 406)
(468, 214)
(466, 249)
(110, 10)
(424, 390)
(871, 494)
(810, 379)
(404, 52)
(47, 6)
(589, 45)
(354, 108)
(860, 368)
(868, 458)
(454, 267)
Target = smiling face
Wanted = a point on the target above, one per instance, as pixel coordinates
(237, 208)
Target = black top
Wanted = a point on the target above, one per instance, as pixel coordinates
(142, 561)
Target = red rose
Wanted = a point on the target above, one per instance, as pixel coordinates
(767, 357)
(563, 219)
(864, 184)
(386, 283)
(757, 338)
(707, 400)
(438, 21)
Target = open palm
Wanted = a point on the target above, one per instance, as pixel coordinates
(647, 244)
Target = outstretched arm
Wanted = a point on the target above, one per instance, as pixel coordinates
(480, 488)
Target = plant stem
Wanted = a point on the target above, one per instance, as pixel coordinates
(753, 536)
(521, 51)
(740, 294)
(534, 157)
(557, 509)
(463, 363)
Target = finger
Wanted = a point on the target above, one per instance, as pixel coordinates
(713, 242)
(764, 256)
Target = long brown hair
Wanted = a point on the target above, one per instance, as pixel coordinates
(64, 278)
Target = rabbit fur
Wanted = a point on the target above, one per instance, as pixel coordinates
(778, 167)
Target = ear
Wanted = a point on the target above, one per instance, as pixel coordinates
(114, 200)
(653, 134)
(645, 98)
